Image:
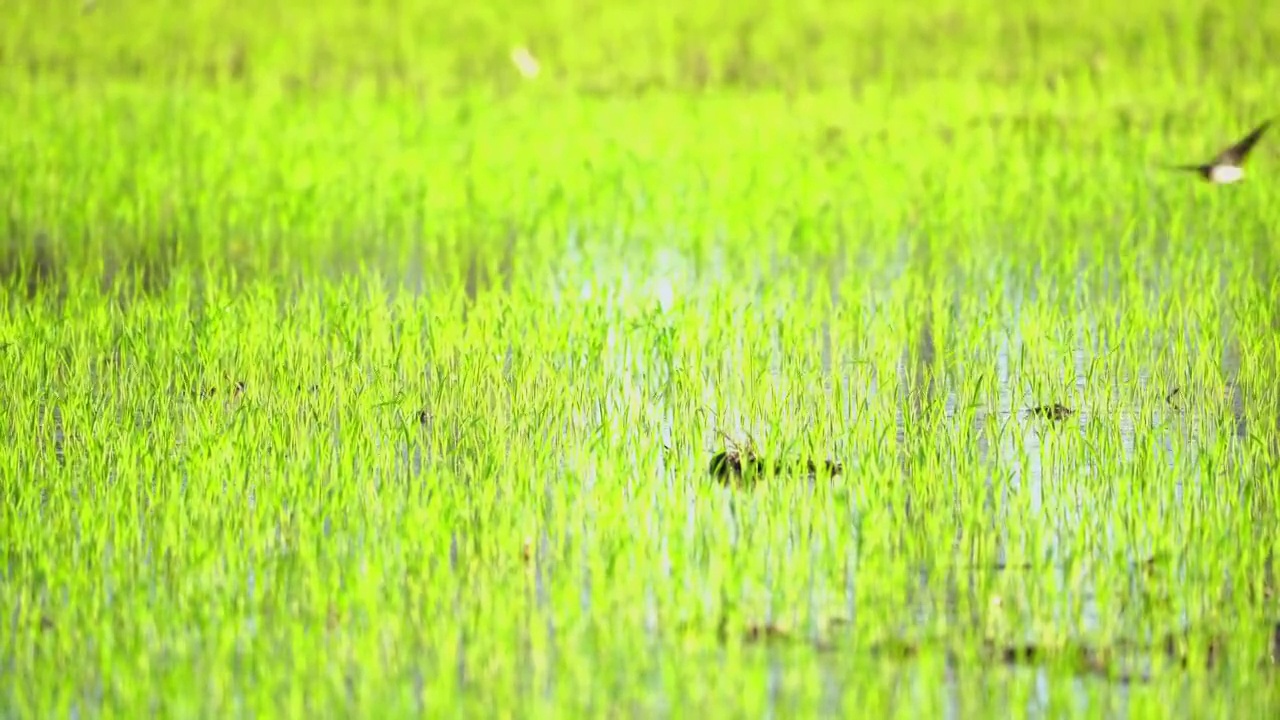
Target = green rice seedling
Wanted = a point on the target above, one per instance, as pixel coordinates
(353, 367)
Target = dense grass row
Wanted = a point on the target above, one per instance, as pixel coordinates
(613, 48)
(472, 189)
(165, 510)
(354, 373)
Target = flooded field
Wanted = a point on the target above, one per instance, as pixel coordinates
(592, 359)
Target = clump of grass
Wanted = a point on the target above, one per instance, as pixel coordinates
(1056, 412)
(743, 465)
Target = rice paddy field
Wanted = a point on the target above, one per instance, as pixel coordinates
(586, 358)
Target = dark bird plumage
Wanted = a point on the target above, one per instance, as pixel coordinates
(1228, 165)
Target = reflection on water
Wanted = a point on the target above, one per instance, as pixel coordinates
(1020, 460)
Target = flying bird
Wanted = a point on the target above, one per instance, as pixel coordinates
(1227, 166)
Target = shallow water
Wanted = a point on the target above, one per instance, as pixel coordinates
(1017, 468)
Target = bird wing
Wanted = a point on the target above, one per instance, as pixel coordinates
(1188, 167)
(1236, 154)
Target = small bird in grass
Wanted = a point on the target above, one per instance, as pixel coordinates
(1227, 166)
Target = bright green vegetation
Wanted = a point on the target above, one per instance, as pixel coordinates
(348, 372)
